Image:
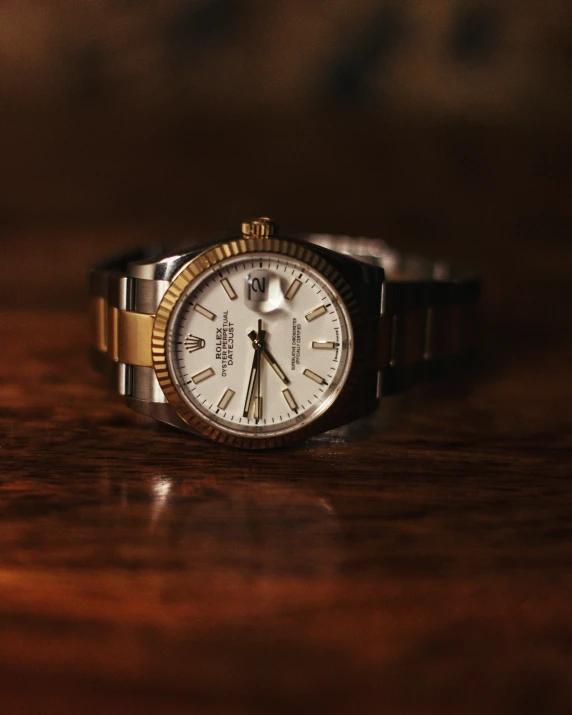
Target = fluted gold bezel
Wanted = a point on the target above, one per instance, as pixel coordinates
(206, 261)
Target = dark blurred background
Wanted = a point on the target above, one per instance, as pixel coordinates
(432, 124)
(423, 568)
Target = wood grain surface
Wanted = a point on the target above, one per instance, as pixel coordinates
(417, 563)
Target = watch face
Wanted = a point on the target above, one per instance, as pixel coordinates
(259, 344)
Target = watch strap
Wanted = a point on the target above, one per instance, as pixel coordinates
(428, 324)
(121, 314)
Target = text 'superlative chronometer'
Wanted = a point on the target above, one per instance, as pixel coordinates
(260, 340)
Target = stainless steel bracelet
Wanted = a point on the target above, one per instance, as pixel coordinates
(427, 323)
(122, 309)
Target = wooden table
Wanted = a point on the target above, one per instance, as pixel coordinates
(420, 562)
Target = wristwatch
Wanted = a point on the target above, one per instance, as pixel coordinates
(261, 340)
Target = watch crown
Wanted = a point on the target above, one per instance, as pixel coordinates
(262, 227)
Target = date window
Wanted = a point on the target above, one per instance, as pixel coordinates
(258, 283)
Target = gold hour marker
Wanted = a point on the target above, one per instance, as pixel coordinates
(293, 289)
(204, 375)
(258, 408)
(323, 344)
(226, 398)
(292, 404)
(228, 289)
(204, 311)
(313, 376)
(313, 314)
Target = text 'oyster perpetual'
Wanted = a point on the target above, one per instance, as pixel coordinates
(260, 340)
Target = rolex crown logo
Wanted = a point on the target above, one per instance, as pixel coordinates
(192, 343)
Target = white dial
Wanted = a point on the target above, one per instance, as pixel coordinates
(261, 344)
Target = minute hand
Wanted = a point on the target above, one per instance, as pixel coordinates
(251, 383)
(270, 359)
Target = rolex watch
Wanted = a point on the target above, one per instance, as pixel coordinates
(261, 340)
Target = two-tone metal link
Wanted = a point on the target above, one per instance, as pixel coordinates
(122, 310)
(426, 330)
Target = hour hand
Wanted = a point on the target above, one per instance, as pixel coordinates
(255, 369)
(269, 358)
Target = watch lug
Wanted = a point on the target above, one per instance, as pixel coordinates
(362, 401)
(365, 279)
(160, 411)
(162, 268)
